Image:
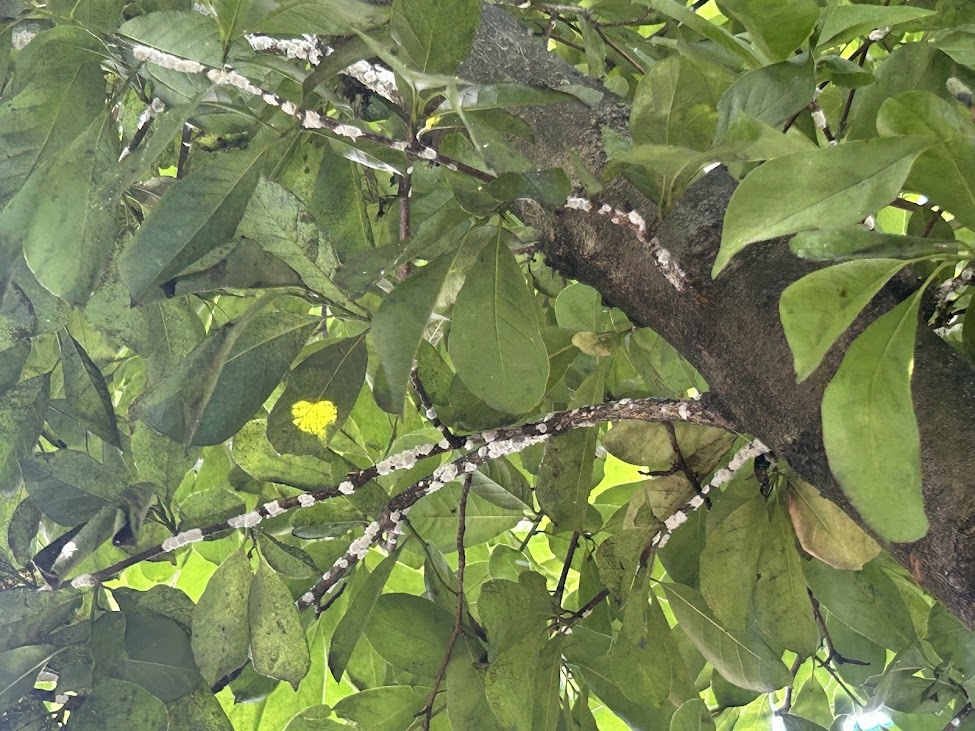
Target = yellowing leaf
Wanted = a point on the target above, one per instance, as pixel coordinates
(826, 532)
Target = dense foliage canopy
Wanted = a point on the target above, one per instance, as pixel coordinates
(316, 411)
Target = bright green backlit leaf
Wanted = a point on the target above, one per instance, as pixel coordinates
(818, 308)
(494, 340)
(841, 184)
(279, 648)
(744, 660)
(869, 428)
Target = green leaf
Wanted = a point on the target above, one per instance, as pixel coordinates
(746, 661)
(74, 221)
(285, 228)
(18, 671)
(565, 476)
(856, 242)
(196, 215)
(70, 487)
(699, 24)
(22, 410)
(160, 460)
(436, 35)
(771, 94)
(324, 17)
(279, 648)
(818, 308)
(869, 428)
(178, 32)
(797, 723)
(826, 532)
(119, 704)
(226, 378)
(673, 105)
(221, 635)
(350, 626)
(729, 562)
(320, 393)
(467, 706)
(776, 29)
(435, 518)
(866, 601)
(812, 703)
(402, 318)
(549, 187)
(495, 341)
(28, 616)
(159, 657)
(410, 632)
(842, 23)
(781, 602)
(692, 716)
(841, 184)
(59, 92)
(86, 391)
(254, 454)
(386, 708)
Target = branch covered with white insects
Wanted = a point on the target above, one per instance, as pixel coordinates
(494, 443)
(631, 220)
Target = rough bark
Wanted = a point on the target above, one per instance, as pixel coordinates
(729, 328)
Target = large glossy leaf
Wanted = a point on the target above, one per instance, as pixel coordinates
(22, 410)
(565, 475)
(826, 532)
(770, 94)
(27, 615)
(120, 704)
(226, 378)
(777, 29)
(686, 16)
(818, 308)
(86, 391)
(745, 660)
(70, 487)
(386, 708)
(57, 95)
(196, 215)
(279, 648)
(18, 671)
(841, 184)
(436, 35)
(729, 562)
(254, 454)
(674, 106)
(350, 626)
(856, 242)
(844, 22)
(410, 632)
(221, 634)
(781, 602)
(75, 217)
(159, 657)
(867, 601)
(495, 341)
(398, 325)
(178, 32)
(869, 428)
(320, 393)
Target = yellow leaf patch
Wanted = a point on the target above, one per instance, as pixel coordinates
(313, 417)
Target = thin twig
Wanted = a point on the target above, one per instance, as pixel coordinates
(560, 587)
(427, 711)
(956, 720)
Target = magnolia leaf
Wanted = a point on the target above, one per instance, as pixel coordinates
(841, 184)
(435, 36)
(818, 308)
(495, 341)
(870, 430)
(221, 634)
(279, 648)
(826, 532)
(745, 660)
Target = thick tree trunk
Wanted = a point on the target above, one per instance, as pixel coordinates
(729, 328)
